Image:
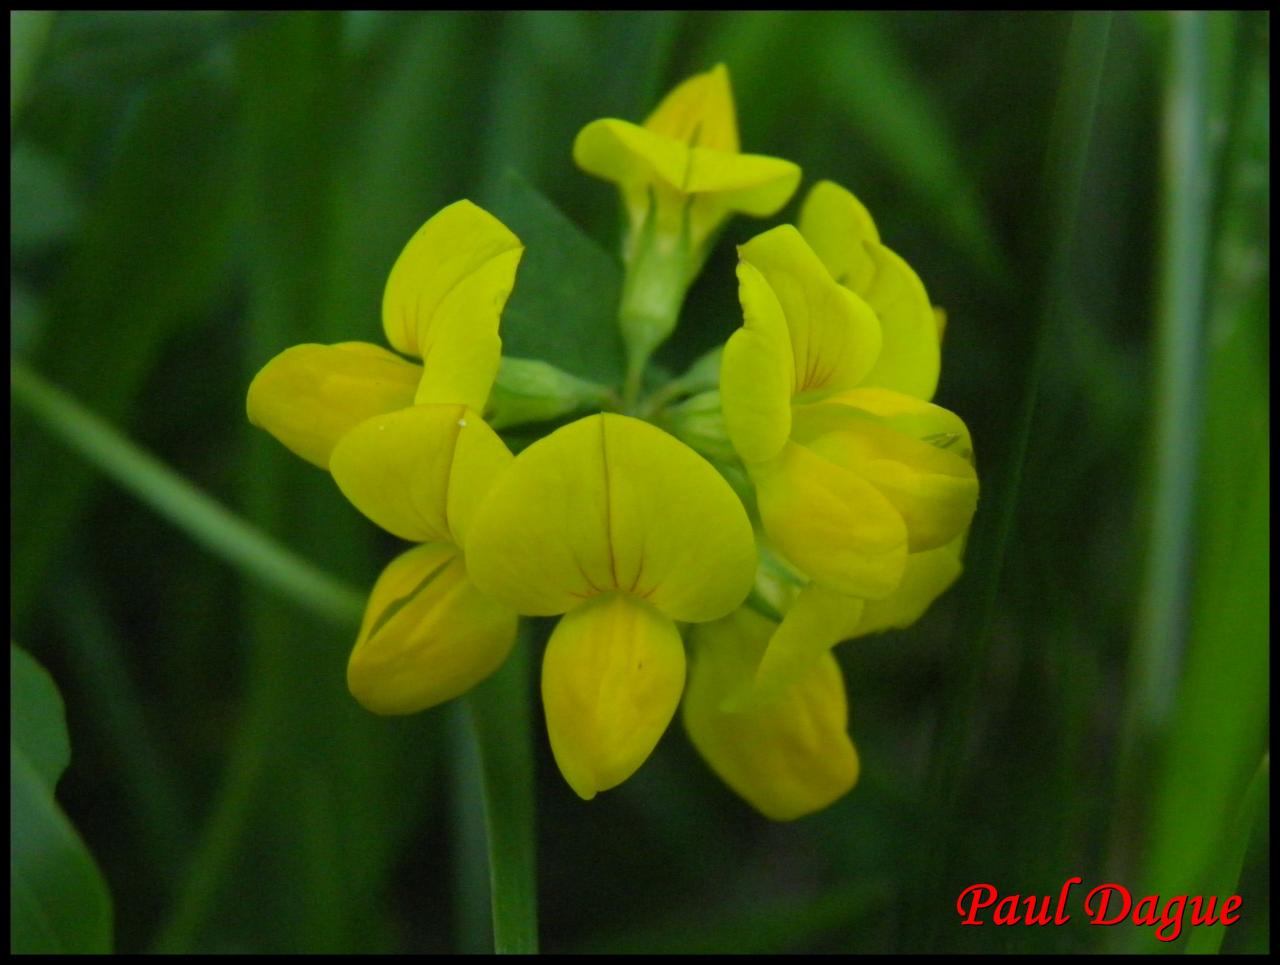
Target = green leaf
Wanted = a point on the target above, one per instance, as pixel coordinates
(565, 303)
(58, 901)
(36, 717)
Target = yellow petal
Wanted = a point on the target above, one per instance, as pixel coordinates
(926, 577)
(837, 227)
(460, 346)
(831, 523)
(627, 153)
(699, 111)
(835, 337)
(421, 472)
(787, 758)
(612, 503)
(756, 376)
(817, 620)
(310, 396)
(455, 244)
(913, 417)
(935, 490)
(843, 235)
(428, 634)
(611, 680)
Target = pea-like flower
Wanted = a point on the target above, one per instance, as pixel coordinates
(683, 169)
(406, 444)
(624, 530)
(824, 391)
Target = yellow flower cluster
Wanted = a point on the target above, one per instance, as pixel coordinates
(851, 492)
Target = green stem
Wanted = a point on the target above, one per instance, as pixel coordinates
(206, 521)
(658, 275)
(501, 713)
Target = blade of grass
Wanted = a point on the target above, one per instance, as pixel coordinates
(501, 712)
(1064, 178)
(1208, 941)
(212, 525)
(1214, 721)
(473, 906)
(1176, 406)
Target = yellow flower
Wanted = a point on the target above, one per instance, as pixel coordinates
(683, 167)
(788, 756)
(858, 477)
(406, 444)
(625, 530)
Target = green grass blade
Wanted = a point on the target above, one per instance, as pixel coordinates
(1206, 732)
(213, 526)
(501, 715)
(1253, 809)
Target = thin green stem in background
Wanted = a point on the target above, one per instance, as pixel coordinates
(501, 717)
(210, 524)
(1187, 206)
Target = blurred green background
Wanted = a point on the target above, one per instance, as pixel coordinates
(1087, 195)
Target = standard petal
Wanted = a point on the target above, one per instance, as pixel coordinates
(835, 336)
(756, 376)
(927, 577)
(843, 235)
(789, 757)
(611, 680)
(699, 111)
(832, 523)
(935, 490)
(419, 473)
(428, 634)
(837, 225)
(454, 244)
(612, 503)
(310, 396)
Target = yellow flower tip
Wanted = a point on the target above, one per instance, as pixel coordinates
(309, 396)
(428, 634)
(611, 680)
(788, 756)
(611, 503)
(699, 112)
(688, 147)
(448, 287)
